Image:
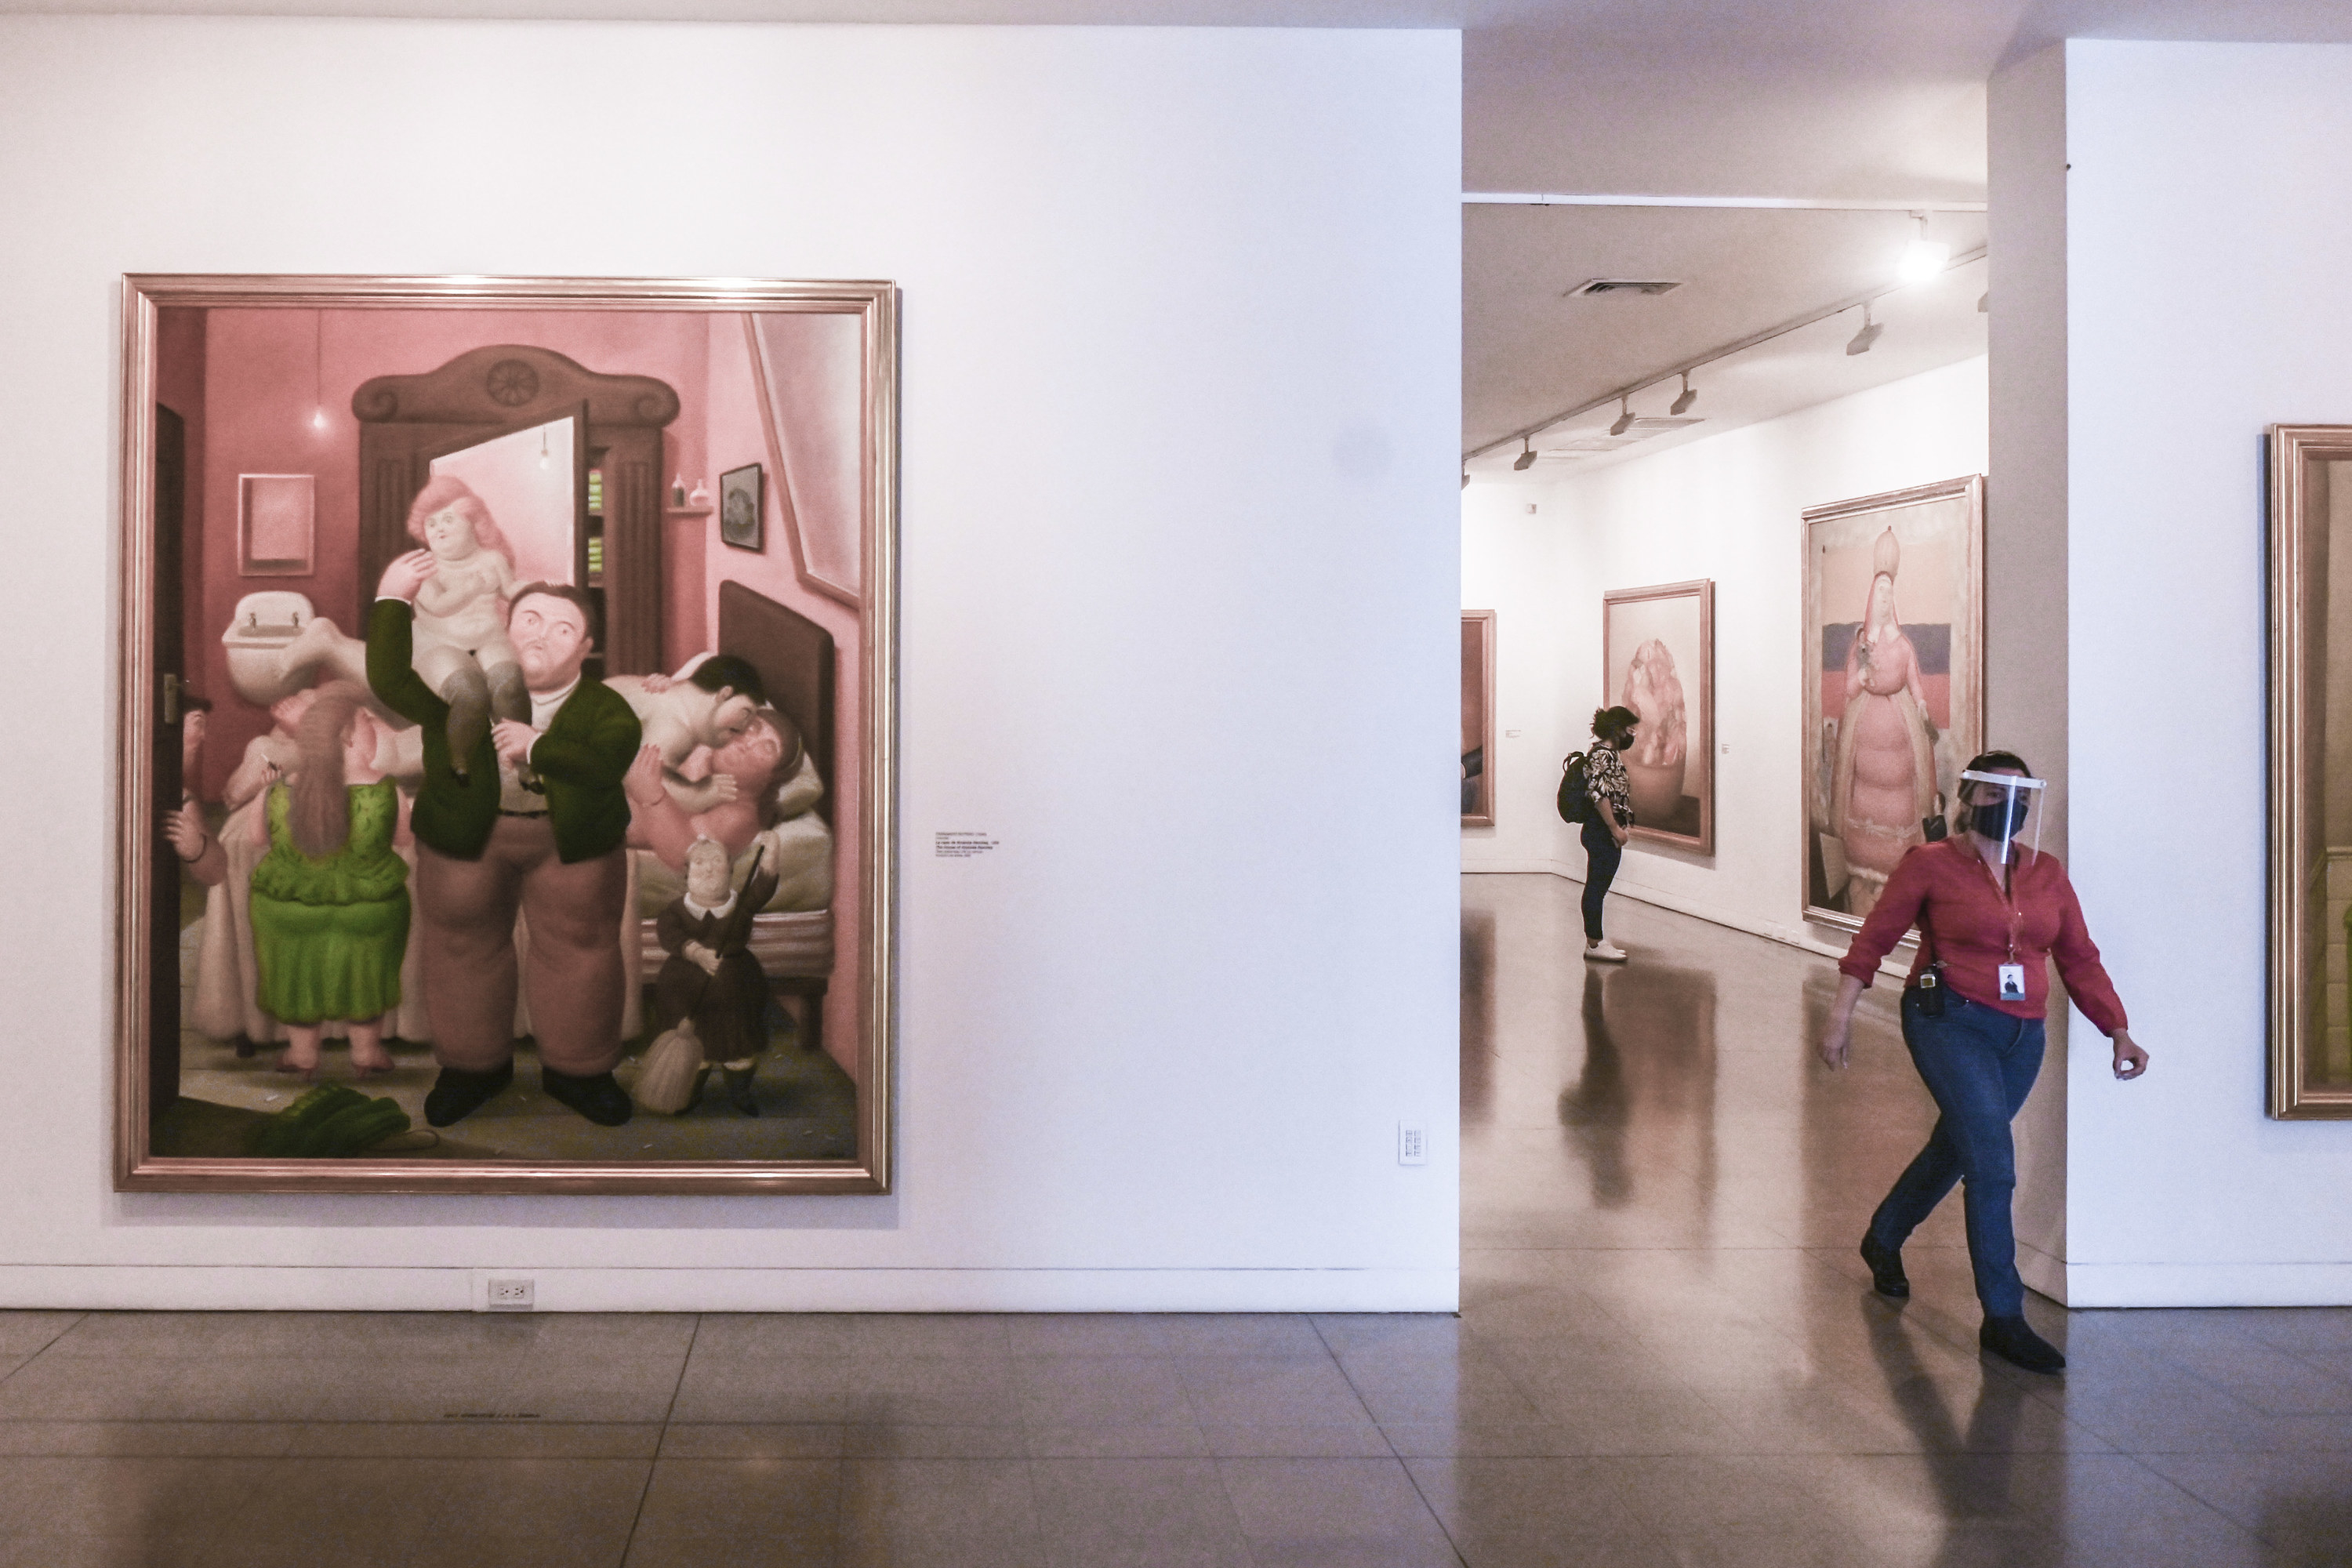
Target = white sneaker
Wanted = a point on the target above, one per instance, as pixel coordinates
(1607, 953)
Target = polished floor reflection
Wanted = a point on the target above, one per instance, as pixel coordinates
(1667, 1355)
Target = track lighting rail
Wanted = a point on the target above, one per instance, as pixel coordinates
(1526, 433)
(1778, 204)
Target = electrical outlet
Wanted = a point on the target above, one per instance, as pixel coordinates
(509, 1296)
(1412, 1143)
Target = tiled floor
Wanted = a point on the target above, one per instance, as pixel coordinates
(1667, 1355)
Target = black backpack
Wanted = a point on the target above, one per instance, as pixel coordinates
(1575, 799)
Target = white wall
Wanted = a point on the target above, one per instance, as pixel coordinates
(1726, 507)
(1153, 1050)
(2208, 215)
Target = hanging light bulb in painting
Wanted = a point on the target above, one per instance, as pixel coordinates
(318, 370)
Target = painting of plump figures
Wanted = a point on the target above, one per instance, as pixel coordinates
(1893, 680)
(503, 821)
(1657, 653)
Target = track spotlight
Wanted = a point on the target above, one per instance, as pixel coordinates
(1867, 336)
(1526, 459)
(1624, 421)
(1923, 258)
(1465, 479)
(1690, 396)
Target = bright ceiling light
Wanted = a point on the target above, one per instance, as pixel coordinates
(1526, 459)
(1690, 396)
(1923, 258)
(1867, 336)
(1624, 421)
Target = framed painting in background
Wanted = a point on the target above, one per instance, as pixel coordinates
(515, 433)
(1477, 718)
(2310, 770)
(1893, 681)
(1657, 657)
(740, 518)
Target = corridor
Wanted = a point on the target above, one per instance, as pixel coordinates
(1667, 1355)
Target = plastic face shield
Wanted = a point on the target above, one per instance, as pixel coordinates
(2004, 808)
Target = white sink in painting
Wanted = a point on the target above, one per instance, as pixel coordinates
(265, 625)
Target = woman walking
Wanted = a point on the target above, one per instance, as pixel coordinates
(1605, 827)
(1991, 913)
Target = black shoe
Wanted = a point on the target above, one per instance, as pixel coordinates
(1887, 1276)
(457, 1094)
(738, 1090)
(598, 1099)
(2014, 1341)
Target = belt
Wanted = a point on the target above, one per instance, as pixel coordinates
(504, 811)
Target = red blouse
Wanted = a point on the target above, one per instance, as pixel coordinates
(1962, 900)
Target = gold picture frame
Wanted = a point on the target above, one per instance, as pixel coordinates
(1926, 542)
(2310, 636)
(812, 663)
(1479, 758)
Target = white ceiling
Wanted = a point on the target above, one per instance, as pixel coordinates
(1879, 99)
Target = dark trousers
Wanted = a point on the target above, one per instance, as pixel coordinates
(467, 908)
(1980, 1063)
(1601, 854)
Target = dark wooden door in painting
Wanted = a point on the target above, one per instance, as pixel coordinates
(171, 680)
(405, 420)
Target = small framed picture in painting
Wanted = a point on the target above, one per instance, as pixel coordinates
(1893, 681)
(1657, 656)
(1477, 718)
(739, 509)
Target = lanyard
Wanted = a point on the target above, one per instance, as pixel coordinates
(2007, 896)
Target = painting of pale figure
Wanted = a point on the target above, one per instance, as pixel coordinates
(1893, 682)
(1657, 650)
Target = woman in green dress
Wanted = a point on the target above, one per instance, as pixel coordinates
(330, 900)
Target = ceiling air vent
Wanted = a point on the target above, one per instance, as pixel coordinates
(1599, 287)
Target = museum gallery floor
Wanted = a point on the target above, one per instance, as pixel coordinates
(1667, 1355)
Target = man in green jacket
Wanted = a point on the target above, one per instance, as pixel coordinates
(487, 844)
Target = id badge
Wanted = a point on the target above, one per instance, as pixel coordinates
(2012, 983)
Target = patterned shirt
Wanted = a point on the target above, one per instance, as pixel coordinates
(1605, 781)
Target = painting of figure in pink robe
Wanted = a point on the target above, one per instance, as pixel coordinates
(1894, 674)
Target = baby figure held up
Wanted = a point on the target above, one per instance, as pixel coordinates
(460, 632)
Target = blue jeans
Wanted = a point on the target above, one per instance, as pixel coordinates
(1980, 1063)
(1601, 854)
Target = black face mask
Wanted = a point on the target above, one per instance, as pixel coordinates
(2001, 819)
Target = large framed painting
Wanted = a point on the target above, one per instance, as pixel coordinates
(486, 826)
(1657, 657)
(1893, 681)
(2310, 770)
(1477, 718)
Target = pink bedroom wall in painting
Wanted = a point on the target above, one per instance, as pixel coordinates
(257, 379)
(267, 373)
(737, 435)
